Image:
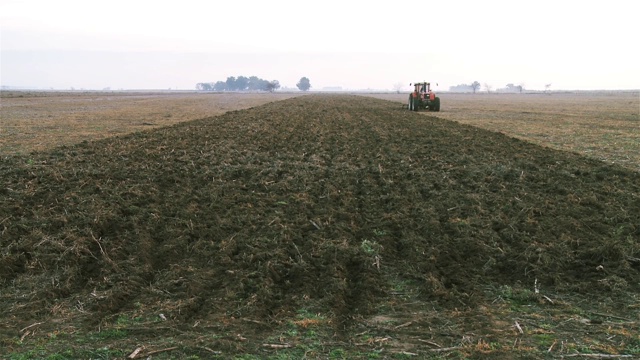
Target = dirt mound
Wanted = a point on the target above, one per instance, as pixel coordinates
(318, 200)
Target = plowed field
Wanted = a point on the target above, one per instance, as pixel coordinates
(323, 226)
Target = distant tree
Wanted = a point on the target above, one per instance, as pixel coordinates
(475, 86)
(398, 87)
(547, 88)
(263, 85)
(204, 86)
(220, 86)
(520, 87)
(510, 87)
(488, 87)
(304, 84)
(272, 86)
(231, 83)
(255, 84)
(242, 83)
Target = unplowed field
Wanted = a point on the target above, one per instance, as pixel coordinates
(42, 120)
(323, 226)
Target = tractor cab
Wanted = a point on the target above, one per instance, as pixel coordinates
(422, 88)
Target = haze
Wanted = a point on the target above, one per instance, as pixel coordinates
(572, 45)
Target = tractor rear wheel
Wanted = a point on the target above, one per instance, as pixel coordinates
(410, 103)
(436, 104)
(416, 104)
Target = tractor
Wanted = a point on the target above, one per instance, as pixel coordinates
(423, 98)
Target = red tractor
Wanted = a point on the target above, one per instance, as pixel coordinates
(423, 98)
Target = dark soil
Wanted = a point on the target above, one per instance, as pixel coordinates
(321, 204)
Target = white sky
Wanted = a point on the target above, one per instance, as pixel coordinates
(354, 44)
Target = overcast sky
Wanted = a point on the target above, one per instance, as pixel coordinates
(140, 44)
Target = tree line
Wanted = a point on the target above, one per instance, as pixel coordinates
(240, 83)
(252, 83)
(475, 86)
